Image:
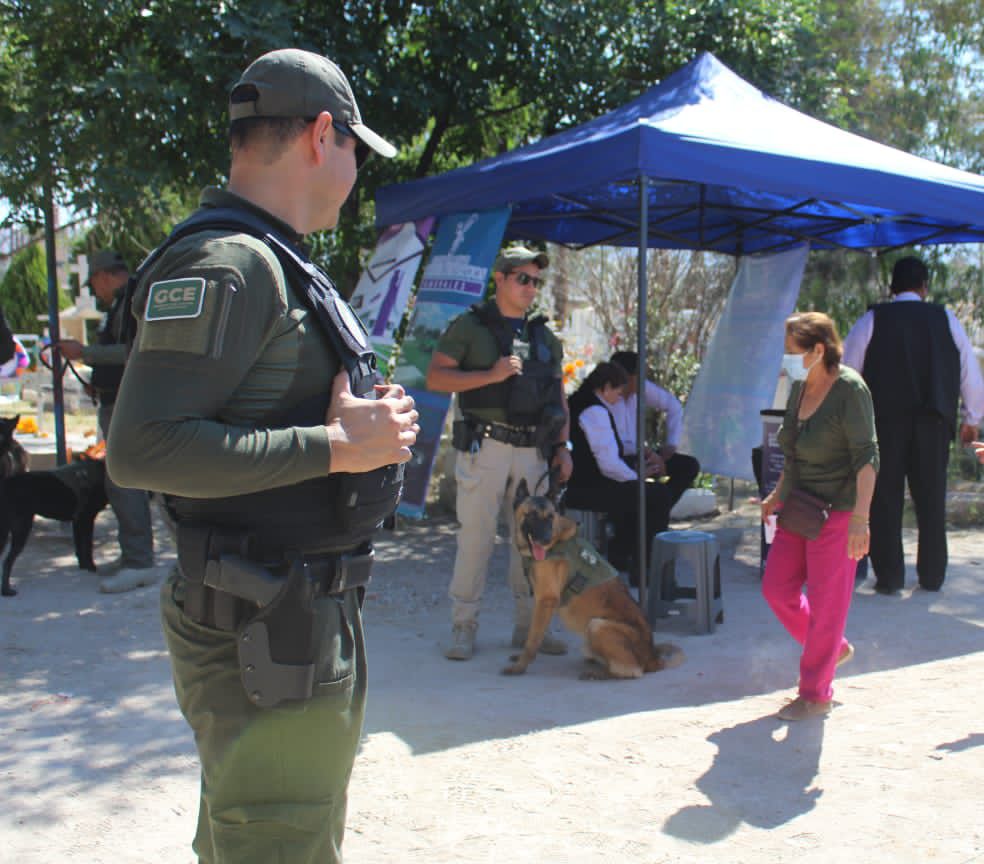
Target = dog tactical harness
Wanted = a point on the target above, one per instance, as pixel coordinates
(247, 560)
(587, 568)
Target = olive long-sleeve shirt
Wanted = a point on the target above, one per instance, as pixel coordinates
(224, 352)
(834, 443)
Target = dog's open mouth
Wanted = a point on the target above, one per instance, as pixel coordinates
(537, 550)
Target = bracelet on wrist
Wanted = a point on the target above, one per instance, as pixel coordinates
(857, 517)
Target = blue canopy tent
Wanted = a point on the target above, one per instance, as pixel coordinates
(706, 161)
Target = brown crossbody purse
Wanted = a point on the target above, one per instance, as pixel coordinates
(802, 513)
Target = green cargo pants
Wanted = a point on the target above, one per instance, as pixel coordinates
(274, 781)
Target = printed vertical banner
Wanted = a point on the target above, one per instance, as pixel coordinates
(454, 279)
(381, 296)
(737, 376)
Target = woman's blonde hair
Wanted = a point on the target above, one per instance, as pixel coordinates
(807, 329)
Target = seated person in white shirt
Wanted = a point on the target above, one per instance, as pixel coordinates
(603, 481)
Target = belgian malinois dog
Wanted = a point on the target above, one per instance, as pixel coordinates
(569, 576)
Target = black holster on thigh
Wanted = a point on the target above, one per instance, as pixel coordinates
(272, 615)
(276, 646)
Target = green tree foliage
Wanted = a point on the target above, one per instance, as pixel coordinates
(24, 291)
(120, 104)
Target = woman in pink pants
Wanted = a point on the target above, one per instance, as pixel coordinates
(831, 452)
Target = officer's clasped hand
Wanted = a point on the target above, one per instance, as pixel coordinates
(367, 434)
(506, 367)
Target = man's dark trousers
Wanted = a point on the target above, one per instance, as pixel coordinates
(917, 449)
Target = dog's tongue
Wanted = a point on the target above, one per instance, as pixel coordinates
(539, 552)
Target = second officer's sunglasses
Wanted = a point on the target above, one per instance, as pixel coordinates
(525, 279)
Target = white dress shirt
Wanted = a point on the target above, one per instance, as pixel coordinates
(971, 381)
(596, 423)
(624, 412)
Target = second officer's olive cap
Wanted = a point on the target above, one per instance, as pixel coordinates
(515, 256)
(105, 259)
(295, 83)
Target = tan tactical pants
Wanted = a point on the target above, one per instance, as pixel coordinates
(487, 482)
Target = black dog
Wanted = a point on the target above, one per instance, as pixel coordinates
(72, 493)
(13, 457)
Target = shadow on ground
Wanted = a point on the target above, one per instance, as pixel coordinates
(435, 704)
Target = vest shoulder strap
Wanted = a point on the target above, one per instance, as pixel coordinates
(339, 323)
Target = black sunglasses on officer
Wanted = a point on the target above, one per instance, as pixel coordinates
(362, 151)
(525, 279)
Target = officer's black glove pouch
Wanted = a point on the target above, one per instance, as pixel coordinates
(365, 500)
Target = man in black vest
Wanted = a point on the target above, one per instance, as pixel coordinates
(917, 362)
(506, 368)
(108, 275)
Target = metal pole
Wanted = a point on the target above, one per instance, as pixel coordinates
(641, 393)
(58, 400)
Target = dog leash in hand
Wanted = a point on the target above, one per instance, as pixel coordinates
(68, 365)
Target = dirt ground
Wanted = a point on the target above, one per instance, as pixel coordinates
(461, 764)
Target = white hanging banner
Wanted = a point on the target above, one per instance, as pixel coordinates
(737, 378)
(381, 297)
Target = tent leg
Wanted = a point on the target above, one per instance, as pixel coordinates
(58, 400)
(640, 400)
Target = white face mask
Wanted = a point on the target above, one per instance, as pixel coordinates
(792, 365)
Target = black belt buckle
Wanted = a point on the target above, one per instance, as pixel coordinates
(353, 570)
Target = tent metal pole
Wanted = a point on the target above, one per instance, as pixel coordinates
(641, 393)
(51, 261)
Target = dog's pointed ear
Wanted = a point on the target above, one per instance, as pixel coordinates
(522, 493)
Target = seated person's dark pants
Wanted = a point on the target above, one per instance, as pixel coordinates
(618, 500)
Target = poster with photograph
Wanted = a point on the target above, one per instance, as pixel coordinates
(455, 278)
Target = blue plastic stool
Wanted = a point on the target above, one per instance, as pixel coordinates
(675, 556)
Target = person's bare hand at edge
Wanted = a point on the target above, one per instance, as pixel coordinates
(366, 434)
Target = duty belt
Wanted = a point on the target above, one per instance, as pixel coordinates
(224, 584)
(517, 436)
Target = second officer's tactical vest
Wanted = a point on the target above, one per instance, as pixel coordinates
(331, 513)
(527, 399)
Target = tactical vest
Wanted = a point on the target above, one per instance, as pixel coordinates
(532, 398)
(106, 377)
(912, 365)
(326, 514)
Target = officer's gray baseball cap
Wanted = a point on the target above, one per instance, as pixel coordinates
(105, 259)
(515, 256)
(295, 83)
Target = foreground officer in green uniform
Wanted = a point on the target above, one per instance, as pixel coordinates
(240, 403)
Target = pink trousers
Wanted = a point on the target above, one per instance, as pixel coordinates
(817, 618)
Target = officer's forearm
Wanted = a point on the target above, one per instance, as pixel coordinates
(565, 431)
(444, 380)
(104, 355)
(161, 437)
